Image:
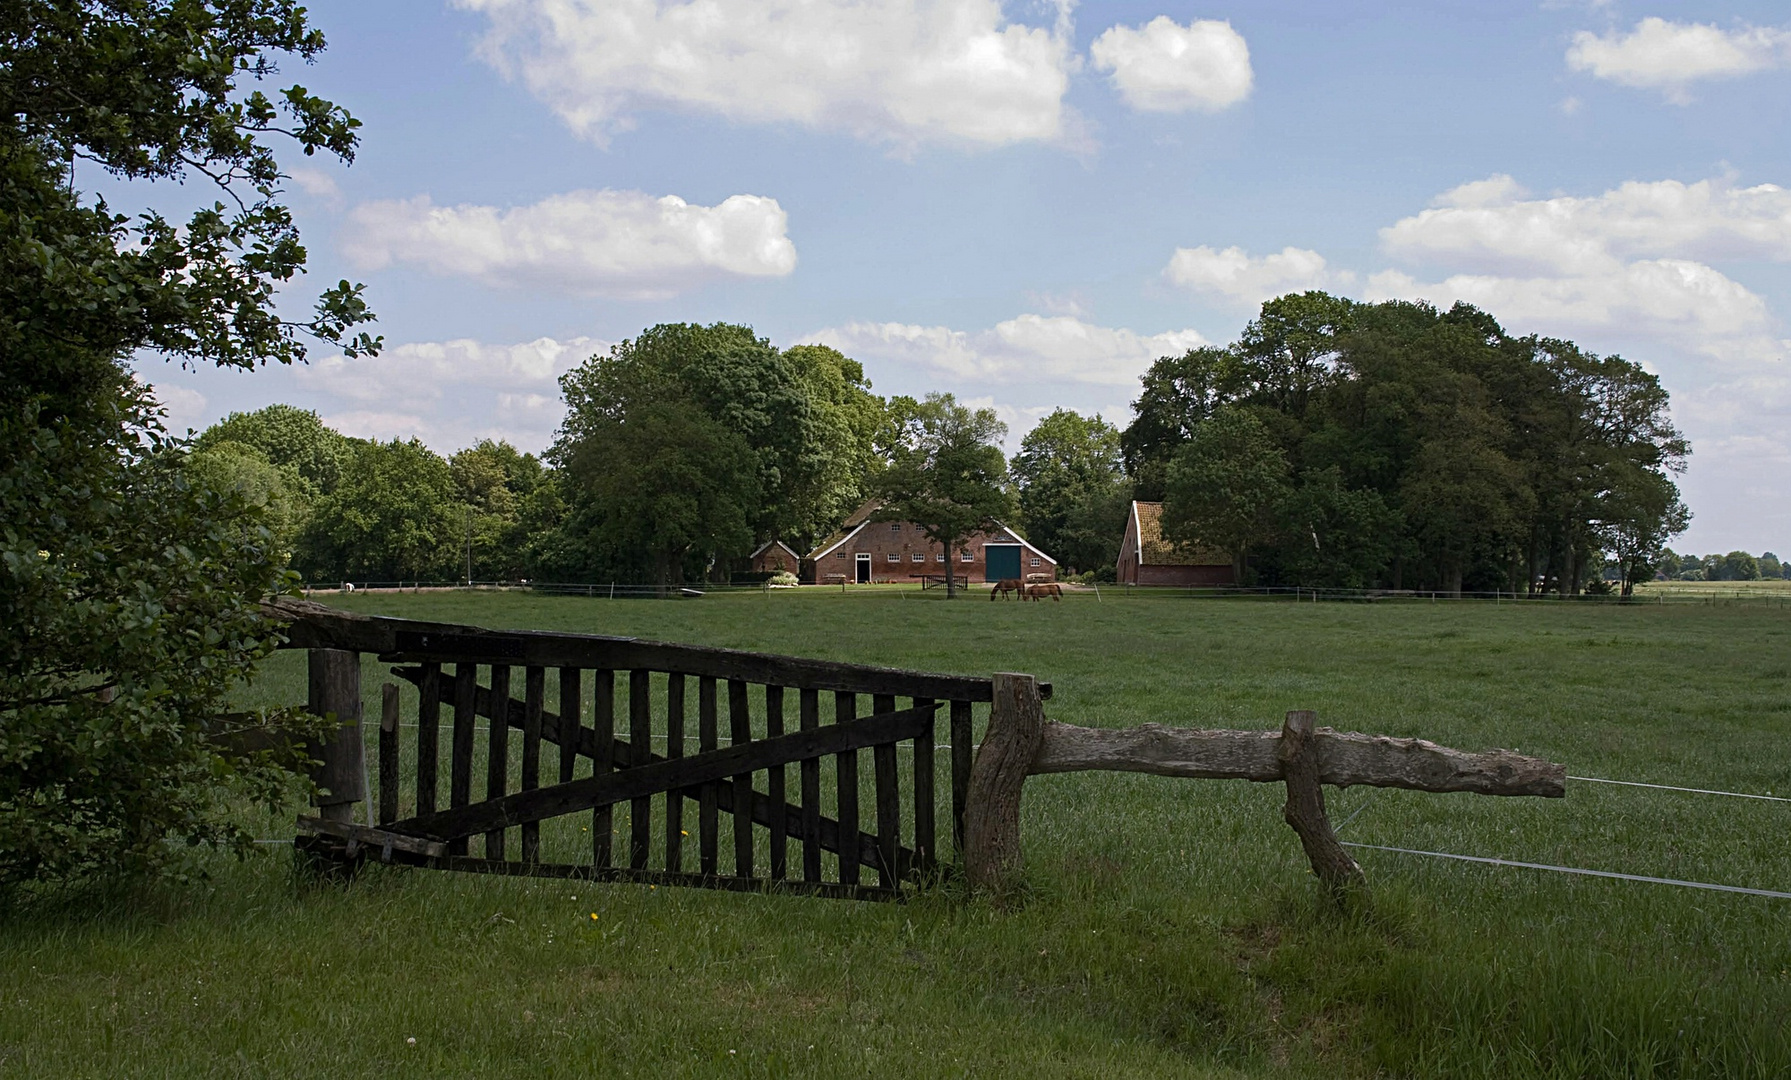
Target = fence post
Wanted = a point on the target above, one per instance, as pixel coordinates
(992, 857)
(335, 687)
(1305, 809)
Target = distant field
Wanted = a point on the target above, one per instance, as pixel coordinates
(1778, 589)
(1172, 929)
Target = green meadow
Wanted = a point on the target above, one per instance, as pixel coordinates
(1170, 927)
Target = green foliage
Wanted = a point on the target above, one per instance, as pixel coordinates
(131, 586)
(1497, 462)
(1226, 486)
(289, 438)
(495, 483)
(1072, 488)
(945, 472)
(278, 493)
(394, 516)
(131, 598)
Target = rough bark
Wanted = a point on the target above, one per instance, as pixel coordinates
(992, 859)
(1345, 759)
(335, 689)
(1305, 809)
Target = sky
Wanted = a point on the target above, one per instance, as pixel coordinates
(1025, 203)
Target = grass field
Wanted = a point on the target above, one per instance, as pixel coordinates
(1171, 929)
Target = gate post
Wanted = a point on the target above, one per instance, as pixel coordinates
(1305, 808)
(335, 687)
(992, 857)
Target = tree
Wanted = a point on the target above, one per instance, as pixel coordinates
(1334, 536)
(288, 438)
(393, 517)
(1770, 566)
(1226, 487)
(1639, 513)
(233, 468)
(1072, 488)
(493, 482)
(1179, 393)
(659, 494)
(131, 593)
(945, 472)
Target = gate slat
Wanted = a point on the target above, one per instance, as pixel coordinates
(603, 730)
(707, 740)
(534, 700)
(961, 751)
(570, 719)
(640, 740)
(497, 755)
(774, 782)
(739, 734)
(925, 812)
(889, 802)
(674, 749)
(845, 711)
(429, 718)
(809, 719)
(388, 753)
(460, 769)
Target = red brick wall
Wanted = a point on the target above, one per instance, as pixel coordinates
(904, 540)
(773, 559)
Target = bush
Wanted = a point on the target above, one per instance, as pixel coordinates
(782, 578)
(132, 599)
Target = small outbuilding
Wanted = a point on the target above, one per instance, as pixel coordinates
(775, 556)
(866, 550)
(1146, 558)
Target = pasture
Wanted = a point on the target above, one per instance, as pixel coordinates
(1171, 927)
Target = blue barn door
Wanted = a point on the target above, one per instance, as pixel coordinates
(1001, 562)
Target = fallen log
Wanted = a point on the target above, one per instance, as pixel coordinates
(1346, 759)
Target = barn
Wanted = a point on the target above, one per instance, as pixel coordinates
(1145, 558)
(775, 556)
(867, 550)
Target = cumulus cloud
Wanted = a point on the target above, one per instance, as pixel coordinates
(1490, 226)
(450, 394)
(1246, 280)
(607, 243)
(183, 407)
(1029, 347)
(1163, 66)
(896, 72)
(1670, 56)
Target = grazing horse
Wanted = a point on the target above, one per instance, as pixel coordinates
(1039, 592)
(1008, 585)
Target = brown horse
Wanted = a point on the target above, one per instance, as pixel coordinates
(1008, 585)
(1039, 592)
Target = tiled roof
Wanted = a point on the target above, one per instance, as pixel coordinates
(1156, 551)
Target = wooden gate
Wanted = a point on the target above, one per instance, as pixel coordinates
(625, 759)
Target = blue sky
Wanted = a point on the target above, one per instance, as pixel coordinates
(1025, 203)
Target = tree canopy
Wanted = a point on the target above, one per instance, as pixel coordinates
(945, 471)
(1069, 477)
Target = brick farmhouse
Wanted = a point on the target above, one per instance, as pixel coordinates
(775, 556)
(1145, 558)
(866, 550)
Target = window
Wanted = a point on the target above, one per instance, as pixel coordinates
(939, 557)
(966, 556)
(918, 556)
(841, 556)
(893, 557)
(895, 528)
(1035, 560)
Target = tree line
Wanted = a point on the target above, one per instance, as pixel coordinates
(1335, 444)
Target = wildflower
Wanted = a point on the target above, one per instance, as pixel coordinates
(412, 1041)
(683, 832)
(593, 916)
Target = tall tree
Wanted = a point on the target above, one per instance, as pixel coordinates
(1226, 487)
(945, 472)
(131, 593)
(1072, 488)
(393, 517)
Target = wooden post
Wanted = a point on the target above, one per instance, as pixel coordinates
(388, 754)
(992, 859)
(335, 689)
(1305, 809)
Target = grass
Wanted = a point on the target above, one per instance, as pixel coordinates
(1171, 927)
(1778, 590)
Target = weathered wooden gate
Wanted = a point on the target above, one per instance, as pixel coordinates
(638, 725)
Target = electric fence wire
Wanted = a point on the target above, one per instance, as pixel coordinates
(1573, 870)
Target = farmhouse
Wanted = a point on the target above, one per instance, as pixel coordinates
(775, 556)
(866, 550)
(1145, 558)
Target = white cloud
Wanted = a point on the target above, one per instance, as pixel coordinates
(608, 243)
(1245, 280)
(1489, 226)
(425, 369)
(380, 425)
(1670, 56)
(317, 184)
(1163, 66)
(897, 72)
(184, 406)
(1029, 347)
